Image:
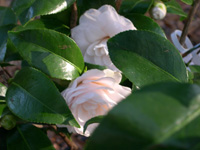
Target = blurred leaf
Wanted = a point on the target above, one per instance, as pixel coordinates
(3, 40)
(195, 68)
(2, 108)
(174, 7)
(142, 22)
(7, 16)
(149, 57)
(148, 116)
(45, 23)
(96, 119)
(53, 53)
(84, 5)
(185, 139)
(135, 6)
(27, 9)
(196, 78)
(32, 96)
(28, 137)
(189, 2)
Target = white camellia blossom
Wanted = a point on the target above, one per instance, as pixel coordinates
(94, 29)
(93, 94)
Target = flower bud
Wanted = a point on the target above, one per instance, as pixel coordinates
(8, 122)
(158, 10)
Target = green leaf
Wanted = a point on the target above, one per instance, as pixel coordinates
(147, 117)
(93, 66)
(96, 119)
(45, 23)
(32, 96)
(142, 22)
(7, 16)
(2, 109)
(3, 40)
(84, 5)
(53, 53)
(3, 90)
(135, 6)
(149, 57)
(195, 68)
(28, 137)
(63, 16)
(189, 2)
(174, 7)
(187, 138)
(27, 9)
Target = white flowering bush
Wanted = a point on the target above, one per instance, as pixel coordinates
(99, 69)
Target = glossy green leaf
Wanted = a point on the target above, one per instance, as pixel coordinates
(32, 96)
(27, 9)
(135, 6)
(63, 16)
(149, 57)
(96, 119)
(45, 23)
(84, 5)
(28, 137)
(54, 53)
(147, 117)
(174, 7)
(7, 16)
(142, 22)
(3, 40)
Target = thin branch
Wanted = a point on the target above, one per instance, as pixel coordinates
(191, 50)
(70, 143)
(74, 16)
(189, 20)
(118, 4)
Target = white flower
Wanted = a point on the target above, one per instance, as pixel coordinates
(94, 29)
(93, 94)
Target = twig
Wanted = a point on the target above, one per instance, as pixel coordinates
(189, 20)
(74, 16)
(7, 73)
(191, 50)
(118, 4)
(70, 143)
